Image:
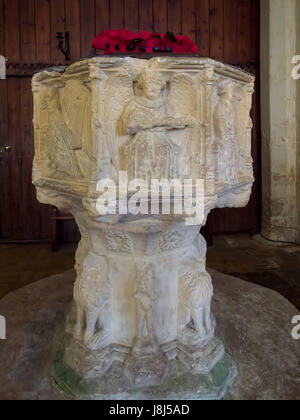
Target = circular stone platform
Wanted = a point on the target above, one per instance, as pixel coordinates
(254, 323)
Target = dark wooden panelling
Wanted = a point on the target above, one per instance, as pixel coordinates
(189, 18)
(73, 25)
(217, 29)
(12, 29)
(174, 16)
(116, 14)
(224, 29)
(43, 31)
(132, 15)
(255, 31)
(21, 216)
(11, 163)
(230, 31)
(146, 15)
(203, 27)
(160, 16)
(2, 30)
(88, 28)
(244, 31)
(58, 24)
(102, 15)
(27, 30)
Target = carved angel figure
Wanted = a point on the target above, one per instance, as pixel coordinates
(145, 297)
(226, 133)
(92, 296)
(150, 153)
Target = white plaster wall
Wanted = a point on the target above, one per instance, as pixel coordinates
(279, 119)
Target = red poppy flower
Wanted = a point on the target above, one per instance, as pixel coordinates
(122, 40)
(100, 41)
(151, 43)
(144, 35)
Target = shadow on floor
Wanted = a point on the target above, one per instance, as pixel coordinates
(254, 259)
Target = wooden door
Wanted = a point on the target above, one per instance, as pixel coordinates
(21, 216)
(227, 30)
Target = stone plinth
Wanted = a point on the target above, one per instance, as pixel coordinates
(142, 298)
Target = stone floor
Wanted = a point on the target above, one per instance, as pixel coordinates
(254, 259)
(21, 265)
(275, 266)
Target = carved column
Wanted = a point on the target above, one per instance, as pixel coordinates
(141, 323)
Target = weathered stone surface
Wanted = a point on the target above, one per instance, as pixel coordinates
(141, 269)
(255, 324)
(176, 383)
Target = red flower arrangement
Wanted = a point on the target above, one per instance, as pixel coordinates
(124, 41)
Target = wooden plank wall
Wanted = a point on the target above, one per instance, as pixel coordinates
(227, 30)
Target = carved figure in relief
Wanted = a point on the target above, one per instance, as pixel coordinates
(225, 127)
(196, 292)
(60, 157)
(150, 153)
(92, 297)
(145, 297)
(244, 127)
(68, 113)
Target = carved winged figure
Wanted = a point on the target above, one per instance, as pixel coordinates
(150, 153)
(142, 110)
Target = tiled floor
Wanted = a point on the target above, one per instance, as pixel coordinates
(250, 258)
